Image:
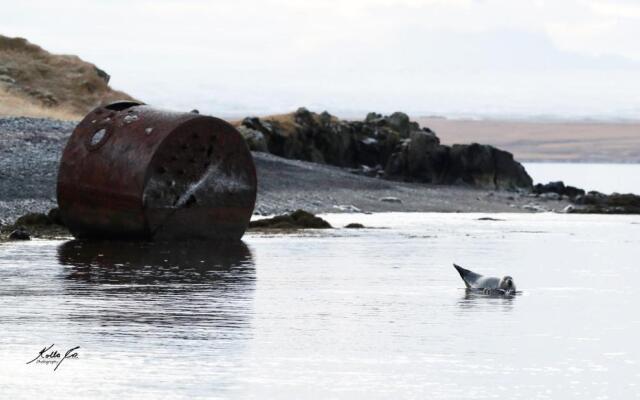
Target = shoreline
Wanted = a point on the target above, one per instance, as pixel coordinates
(546, 141)
(30, 150)
(340, 222)
(285, 185)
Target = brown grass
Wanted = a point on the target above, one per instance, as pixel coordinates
(286, 122)
(37, 83)
(15, 105)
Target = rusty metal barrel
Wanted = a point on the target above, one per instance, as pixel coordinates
(131, 171)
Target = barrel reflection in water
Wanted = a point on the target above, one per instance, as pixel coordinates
(191, 287)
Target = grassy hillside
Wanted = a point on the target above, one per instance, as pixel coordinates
(34, 82)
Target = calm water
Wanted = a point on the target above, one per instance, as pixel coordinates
(374, 313)
(605, 178)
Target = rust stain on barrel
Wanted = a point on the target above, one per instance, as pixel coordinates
(133, 171)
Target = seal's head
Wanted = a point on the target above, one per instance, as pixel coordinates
(507, 284)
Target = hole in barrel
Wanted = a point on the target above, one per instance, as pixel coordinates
(122, 105)
(98, 137)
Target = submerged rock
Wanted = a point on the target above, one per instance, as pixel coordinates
(354, 225)
(298, 219)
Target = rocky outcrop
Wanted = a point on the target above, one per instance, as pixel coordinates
(474, 164)
(391, 147)
(37, 225)
(255, 139)
(298, 219)
(599, 203)
(558, 188)
(323, 138)
(588, 203)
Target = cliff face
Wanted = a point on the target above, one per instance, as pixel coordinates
(34, 82)
(392, 147)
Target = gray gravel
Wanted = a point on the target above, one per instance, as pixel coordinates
(30, 150)
(285, 185)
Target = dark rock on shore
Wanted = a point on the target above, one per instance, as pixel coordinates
(354, 225)
(33, 219)
(559, 188)
(298, 219)
(392, 147)
(19, 234)
(475, 165)
(40, 219)
(54, 216)
(599, 203)
(588, 203)
(254, 138)
(35, 225)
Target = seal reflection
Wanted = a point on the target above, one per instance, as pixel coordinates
(487, 300)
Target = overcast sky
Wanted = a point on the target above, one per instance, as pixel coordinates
(565, 58)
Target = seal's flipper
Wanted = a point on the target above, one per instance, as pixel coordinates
(467, 276)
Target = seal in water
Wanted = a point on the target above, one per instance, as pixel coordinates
(486, 283)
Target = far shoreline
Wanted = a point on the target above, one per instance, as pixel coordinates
(531, 139)
(547, 141)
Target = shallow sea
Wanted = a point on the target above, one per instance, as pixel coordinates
(347, 314)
